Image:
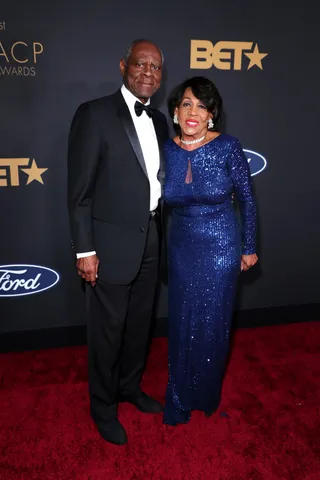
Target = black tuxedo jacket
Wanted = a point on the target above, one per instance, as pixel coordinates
(108, 186)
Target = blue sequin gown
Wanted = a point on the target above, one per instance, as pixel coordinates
(204, 251)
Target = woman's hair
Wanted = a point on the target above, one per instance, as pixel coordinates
(203, 89)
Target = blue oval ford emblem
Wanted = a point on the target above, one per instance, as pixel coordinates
(18, 280)
(256, 161)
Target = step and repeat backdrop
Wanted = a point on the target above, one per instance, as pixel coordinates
(55, 55)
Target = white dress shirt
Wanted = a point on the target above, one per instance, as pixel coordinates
(150, 150)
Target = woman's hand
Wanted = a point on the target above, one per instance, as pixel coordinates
(248, 261)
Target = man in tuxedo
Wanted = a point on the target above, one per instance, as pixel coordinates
(115, 166)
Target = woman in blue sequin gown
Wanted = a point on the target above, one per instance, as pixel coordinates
(207, 249)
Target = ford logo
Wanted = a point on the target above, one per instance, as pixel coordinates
(256, 161)
(18, 280)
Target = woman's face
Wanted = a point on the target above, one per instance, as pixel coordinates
(193, 115)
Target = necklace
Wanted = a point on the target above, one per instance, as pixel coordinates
(191, 142)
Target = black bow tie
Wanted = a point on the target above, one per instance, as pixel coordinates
(139, 107)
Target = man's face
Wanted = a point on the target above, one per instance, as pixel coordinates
(143, 71)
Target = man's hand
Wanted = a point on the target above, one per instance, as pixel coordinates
(247, 261)
(88, 268)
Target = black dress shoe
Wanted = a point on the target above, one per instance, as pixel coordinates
(113, 432)
(144, 403)
(209, 413)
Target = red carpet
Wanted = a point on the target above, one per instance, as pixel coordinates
(266, 429)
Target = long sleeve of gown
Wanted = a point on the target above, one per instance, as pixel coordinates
(241, 177)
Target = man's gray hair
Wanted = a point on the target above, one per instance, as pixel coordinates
(129, 48)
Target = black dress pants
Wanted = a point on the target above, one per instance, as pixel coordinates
(119, 320)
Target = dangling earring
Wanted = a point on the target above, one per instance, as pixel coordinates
(210, 123)
(175, 120)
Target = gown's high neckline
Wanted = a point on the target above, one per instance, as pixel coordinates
(201, 146)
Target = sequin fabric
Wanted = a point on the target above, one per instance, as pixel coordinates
(205, 244)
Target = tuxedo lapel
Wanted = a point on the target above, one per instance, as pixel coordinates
(161, 140)
(125, 117)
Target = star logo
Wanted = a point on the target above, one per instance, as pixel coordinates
(255, 58)
(34, 173)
